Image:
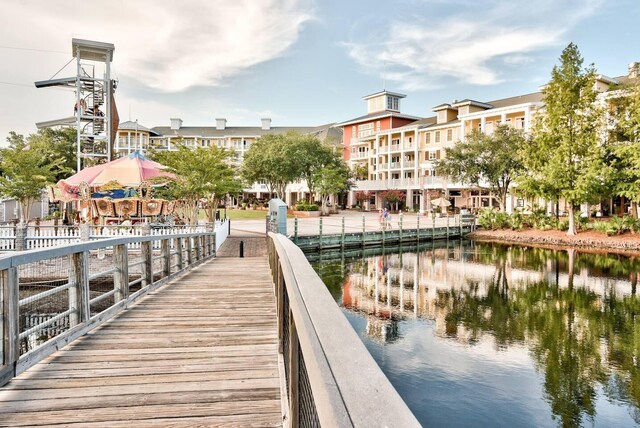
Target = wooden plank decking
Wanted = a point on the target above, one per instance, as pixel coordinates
(201, 351)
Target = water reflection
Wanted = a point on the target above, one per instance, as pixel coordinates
(576, 315)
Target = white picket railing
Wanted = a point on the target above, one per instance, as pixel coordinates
(38, 237)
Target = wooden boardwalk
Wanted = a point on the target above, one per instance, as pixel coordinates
(201, 351)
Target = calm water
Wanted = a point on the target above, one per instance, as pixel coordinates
(489, 335)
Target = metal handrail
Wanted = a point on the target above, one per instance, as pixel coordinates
(347, 386)
(80, 314)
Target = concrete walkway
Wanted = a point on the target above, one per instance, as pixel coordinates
(353, 223)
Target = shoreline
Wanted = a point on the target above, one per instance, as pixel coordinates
(587, 241)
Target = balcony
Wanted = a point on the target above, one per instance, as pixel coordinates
(429, 182)
(392, 183)
(359, 155)
(383, 166)
(395, 147)
(395, 165)
(409, 146)
(409, 164)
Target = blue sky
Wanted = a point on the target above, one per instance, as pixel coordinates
(301, 62)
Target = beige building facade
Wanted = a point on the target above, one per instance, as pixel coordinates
(405, 157)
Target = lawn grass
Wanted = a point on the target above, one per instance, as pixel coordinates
(244, 214)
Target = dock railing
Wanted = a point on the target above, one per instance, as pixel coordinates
(331, 379)
(52, 296)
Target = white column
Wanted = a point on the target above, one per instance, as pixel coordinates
(483, 123)
(462, 130)
(128, 142)
(377, 155)
(402, 155)
(527, 119)
(416, 154)
(503, 118)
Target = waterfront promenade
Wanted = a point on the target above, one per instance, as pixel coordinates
(333, 224)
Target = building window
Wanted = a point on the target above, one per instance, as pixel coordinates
(353, 131)
(392, 103)
(433, 155)
(437, 136)
(377, 125)
(449, 134)
(427, 138)
(520, 123)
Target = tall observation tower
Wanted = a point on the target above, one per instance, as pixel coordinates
(95, 116)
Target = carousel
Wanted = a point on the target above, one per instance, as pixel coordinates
(116, 192)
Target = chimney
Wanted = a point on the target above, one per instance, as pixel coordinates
(221, 124)
(634, 70)
(176, 124)
(266, 124)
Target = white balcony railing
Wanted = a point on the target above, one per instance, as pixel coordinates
(395, 147)
(360, 155)
(428, 182)
(409, 164)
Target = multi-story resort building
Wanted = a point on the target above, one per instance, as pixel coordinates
(133, 136)
(400, 151)
(403, 155)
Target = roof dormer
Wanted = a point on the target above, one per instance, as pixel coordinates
(383, 101)
(470, 106)
(445, 112)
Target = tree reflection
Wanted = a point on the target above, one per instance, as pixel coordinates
(580, 340)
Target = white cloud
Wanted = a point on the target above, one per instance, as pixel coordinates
(166, 45)
(472, 47)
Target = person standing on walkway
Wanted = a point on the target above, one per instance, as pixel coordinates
(380, 217)
(387, 219)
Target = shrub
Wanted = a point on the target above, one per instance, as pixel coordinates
(486, 219)
(516, 221)
(600, 226)
(617, 226)
(538, 219)
(502, 220)
(306, 206)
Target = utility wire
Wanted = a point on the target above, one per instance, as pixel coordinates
(31, 49)
(15, 84)
(27, 86)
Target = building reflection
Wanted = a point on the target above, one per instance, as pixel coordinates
(391, 287)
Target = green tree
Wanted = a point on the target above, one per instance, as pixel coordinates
(361, 172)
(201, 173)
(271, 159)
(565, 157)
(485, 160)
(333, 180)
(58, 146)
(625, 145)
(25, 173)
(311, 156)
